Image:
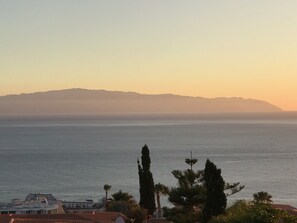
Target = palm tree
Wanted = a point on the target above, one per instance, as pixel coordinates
(122, 196)
(160, 189)
(262, 197)
(106, 188)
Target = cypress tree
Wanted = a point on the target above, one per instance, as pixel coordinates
(146, 182)
(216, 199)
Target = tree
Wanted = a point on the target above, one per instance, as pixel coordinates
(146, 182)
(215, 197)
(125, 203)
(106, 188)
(251, 212)
(122, 196)
(160, 189)
(262, 197)
(190, 196)
(191, 161)
(190, 192)
(233, 188)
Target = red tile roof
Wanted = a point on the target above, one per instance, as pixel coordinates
(102, 217)
(47, 218)
(20, 220)
(290, 209)
(84, 217)
(284, 207)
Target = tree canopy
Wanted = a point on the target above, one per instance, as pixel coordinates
(262, 197)
(253, 212)
(125, 203)
(122, 196)
(188, 197)
(216, 200)
(160, 189)
(146, 182)
(196, 191)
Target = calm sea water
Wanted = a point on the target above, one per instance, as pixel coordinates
(73, 157)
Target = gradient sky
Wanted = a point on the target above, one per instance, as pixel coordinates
(245, 48)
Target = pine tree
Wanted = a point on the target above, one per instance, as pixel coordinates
(189, 195)
(198, 191)
(216, 199)
(146, 182)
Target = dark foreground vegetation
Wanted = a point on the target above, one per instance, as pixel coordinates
(200, 196)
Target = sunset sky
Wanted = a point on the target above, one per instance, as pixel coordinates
(210, 48)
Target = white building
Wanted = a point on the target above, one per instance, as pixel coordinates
(69, 205)
(33, 204)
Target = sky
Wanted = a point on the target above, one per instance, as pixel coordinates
(210, 48)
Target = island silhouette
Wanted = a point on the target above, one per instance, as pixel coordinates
(84, 101)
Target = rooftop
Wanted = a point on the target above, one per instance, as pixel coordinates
(86, 217)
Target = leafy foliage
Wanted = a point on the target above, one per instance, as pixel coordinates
(262, 197)
(146, 182)
(216, 199)
(232, 188)
(198, 190)
(122, 196)
(251, 212)
(188, 197)
(125, 203)
(178, 215)
(190, 193)
(160, 189)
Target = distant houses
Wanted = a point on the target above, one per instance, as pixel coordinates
(45, 204)
(78, 206)
(45, 208)
(33, 204)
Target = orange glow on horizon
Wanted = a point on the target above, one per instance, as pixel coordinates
(241, 49)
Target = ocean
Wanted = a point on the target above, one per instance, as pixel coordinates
(72, 157)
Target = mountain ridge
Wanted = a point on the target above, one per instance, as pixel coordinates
(84, 101)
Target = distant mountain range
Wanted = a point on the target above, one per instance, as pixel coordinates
(82, 101)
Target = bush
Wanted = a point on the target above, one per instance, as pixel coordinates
(245, 212)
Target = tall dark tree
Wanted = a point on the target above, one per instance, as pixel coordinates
(146, 182)
(215, 197)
